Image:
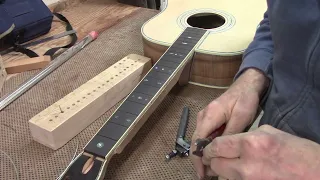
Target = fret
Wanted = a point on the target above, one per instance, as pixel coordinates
(163, 69)
(131, 107)
(140, 97)
(168, 64)
(153, 82)
(158, 75)
(112, 131)
(147, 89)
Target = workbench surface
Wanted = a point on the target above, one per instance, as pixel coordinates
(144, 158)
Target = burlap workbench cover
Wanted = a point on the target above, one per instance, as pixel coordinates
(143, 158)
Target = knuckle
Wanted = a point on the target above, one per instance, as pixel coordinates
(261, 141)
(214, 104)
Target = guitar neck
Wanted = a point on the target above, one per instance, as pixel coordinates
(125, 122)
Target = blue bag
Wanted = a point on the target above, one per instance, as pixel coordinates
(24, 20)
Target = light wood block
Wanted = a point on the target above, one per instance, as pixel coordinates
(63, 120)
(28, 64)
(3, 74)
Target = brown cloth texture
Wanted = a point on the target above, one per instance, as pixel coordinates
(143, 158)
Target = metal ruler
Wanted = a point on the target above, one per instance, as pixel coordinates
(6, 100)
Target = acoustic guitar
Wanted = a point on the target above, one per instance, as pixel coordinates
(231, 25)
(216, 53)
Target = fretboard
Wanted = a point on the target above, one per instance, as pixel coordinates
(148, 89)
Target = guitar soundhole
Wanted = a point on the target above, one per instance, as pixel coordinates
(206, 20)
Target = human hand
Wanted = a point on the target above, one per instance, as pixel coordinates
(263, 154)
(236, 108)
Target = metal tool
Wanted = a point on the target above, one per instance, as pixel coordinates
(202, 143)
(182, 147)
(6, 100)
(57, 36)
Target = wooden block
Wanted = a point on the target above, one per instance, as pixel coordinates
(3, 74)
(60, 122)
(28, 64)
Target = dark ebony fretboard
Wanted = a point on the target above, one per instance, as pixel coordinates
(152, 83)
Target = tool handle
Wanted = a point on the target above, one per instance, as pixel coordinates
(183, 123)
(217, 132)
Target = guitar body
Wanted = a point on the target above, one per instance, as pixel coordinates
(231, 25)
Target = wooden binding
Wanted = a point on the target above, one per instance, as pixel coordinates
(125, 122)
(3, 73)
(60, 122)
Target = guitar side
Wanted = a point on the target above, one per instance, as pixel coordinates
(218, 58)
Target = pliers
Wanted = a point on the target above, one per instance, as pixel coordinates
(202, 143)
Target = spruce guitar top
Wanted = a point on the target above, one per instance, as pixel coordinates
(173, 45)
(231, 25)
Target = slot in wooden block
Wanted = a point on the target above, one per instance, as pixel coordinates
(3, 74)
(28, 64)
(63, 120)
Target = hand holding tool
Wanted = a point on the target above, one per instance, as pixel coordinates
(202, 143)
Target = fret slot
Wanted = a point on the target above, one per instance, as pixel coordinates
(147, 89)
(168, 64)
(139, 98)
(158, 75)
(163, 69)
(100, 146)
(123, 118)
(131, 107)
(153, 82)
(173, 58)
(112, 131)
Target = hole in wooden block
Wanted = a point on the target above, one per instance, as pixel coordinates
(73, 104)
(50, 120)
(68, 107)
(102, 84)
(78, 101)
(99, 87)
